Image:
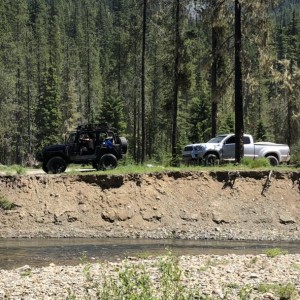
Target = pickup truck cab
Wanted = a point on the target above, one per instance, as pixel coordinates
(222, 148)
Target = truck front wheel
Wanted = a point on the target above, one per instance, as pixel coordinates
(56, 165)
(210, 160)
(273, 160)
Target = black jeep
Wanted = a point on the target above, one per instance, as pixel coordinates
(95, 144)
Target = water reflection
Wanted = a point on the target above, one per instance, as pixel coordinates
(41, 252)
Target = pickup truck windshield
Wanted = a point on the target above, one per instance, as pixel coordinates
(217, 139)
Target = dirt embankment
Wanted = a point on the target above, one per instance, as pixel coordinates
(197, 205)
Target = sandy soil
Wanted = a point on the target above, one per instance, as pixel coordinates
(193, 205)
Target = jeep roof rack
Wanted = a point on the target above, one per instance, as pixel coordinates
(102, 126)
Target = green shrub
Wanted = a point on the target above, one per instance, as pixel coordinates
(275, 252)
(10, 170)
(133, 282)
(295, 154)
(19, 169)
(256, 163)
(245, 292)
(5, 203)
(282, 291)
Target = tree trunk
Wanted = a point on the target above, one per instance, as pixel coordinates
(175, 88)
(214, 103)
(239, 119)
(143, 82)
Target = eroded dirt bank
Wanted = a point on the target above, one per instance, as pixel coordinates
(160, 205)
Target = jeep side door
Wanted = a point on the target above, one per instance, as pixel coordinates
(71, 144)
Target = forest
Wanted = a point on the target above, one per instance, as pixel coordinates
(161, 71)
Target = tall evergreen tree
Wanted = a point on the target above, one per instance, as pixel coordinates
(48, 116)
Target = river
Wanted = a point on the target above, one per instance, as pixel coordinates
(15, 253)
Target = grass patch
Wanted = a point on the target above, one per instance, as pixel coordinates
(152, 168)
(213, 263)
(275, 252)
(296, 266)
(133, 282)
(5, 203)
(282, 291)
(19, 169)
(26, 273)
(144, 255)
(13, 169)
(255, 163)
(130, 167)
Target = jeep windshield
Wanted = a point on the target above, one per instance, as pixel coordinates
(70, 138)
(217, 139)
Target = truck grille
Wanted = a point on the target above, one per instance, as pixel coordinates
(188, 148)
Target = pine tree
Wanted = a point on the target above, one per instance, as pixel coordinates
(48, 114)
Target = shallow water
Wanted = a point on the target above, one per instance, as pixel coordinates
(41, 252)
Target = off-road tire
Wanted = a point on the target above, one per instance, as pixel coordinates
(95, 165)
(56, 165)
(210, 160)
(124, 144)
(107, 162)
(44, 167)
(273, 160)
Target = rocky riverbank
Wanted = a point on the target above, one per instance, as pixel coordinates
(212, 277)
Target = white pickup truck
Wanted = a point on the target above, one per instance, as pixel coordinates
(222, 148)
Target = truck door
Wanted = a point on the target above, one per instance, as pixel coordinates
(248, 147)
(229, 148)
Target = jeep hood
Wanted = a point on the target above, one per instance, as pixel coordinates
(56, 147)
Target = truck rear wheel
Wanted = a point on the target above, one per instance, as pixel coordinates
(107, 162)
(273, 160)
(56, 165)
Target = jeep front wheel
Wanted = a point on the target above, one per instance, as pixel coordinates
(44, 167)
(107, 162)
(56, 165)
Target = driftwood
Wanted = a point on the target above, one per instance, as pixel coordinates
(232, 176)
(267, 184)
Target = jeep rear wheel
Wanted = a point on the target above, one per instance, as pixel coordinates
(56, 165)
(107, 162)
(95, 165)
